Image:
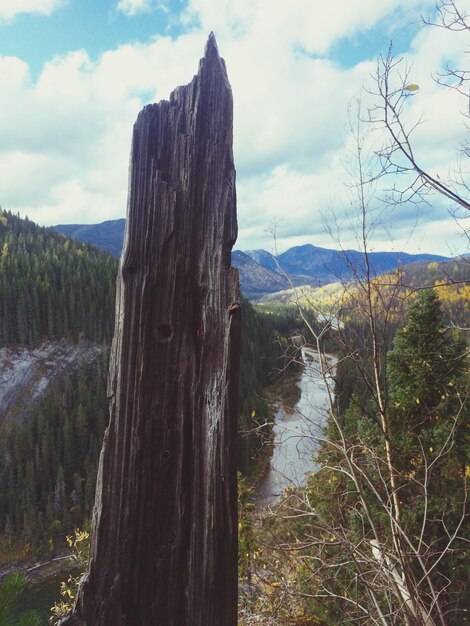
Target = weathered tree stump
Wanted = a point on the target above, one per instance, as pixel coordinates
(164, 534)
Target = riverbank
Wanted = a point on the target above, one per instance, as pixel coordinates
(36, 569)
(43, 577)
(43, 571)
(282, 395)
(297, 430)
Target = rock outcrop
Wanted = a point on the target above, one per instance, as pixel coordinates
(164, 534)
(27, 374)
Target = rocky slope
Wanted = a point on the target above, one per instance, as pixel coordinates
(255, 279)
(26, 374)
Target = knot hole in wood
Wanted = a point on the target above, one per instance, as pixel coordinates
(164, 332)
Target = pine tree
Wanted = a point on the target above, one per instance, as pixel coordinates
(11, 589)
(426, 373)
(430, 428)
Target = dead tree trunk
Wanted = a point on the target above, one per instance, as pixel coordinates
(164, 534)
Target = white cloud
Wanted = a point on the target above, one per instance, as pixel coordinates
(65, 138)
(11, 8)
(313, 26)
(135, 7)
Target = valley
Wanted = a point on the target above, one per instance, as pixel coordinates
(53, 405)
(234, 313)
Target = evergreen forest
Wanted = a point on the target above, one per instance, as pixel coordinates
(52, 287)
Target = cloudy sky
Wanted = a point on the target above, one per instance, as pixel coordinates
(75, 73)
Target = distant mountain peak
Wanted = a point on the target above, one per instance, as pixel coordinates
(260, 271)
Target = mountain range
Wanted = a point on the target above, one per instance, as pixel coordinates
(260, 272)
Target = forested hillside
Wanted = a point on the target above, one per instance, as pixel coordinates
(62, 292)
(54, 288)
(391, 297)
(396, 290)
(48, 464)
(451, 281)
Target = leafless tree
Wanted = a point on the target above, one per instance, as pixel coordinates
(453, 18)
(400, 159)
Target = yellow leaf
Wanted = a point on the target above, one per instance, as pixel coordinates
(411, 87)
(253, 413)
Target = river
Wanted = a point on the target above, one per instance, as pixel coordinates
(296, 431)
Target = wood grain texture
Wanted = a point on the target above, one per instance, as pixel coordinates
(164, 534)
